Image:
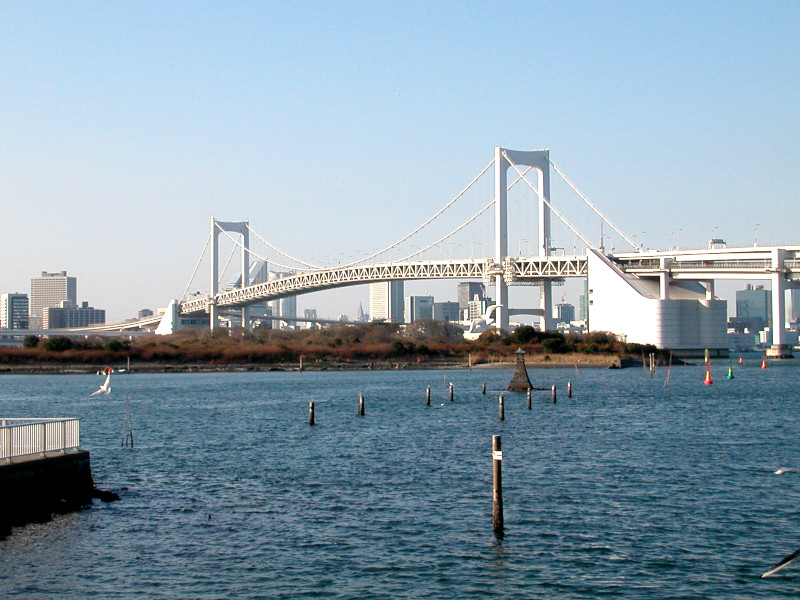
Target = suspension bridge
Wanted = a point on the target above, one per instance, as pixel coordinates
(665, 297)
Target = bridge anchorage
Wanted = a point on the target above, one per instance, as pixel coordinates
(661, 297)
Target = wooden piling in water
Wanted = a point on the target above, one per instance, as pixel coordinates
(569, 389)
(497, 485)
(528, 393)
(502, 408)
(451, 392)
(483, 388)
(428, 396)
(553, 394)
(311, 414)
(361, 405)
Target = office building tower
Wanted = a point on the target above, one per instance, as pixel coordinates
(467, 292)
(386, 301)
(754, 305)
(793, 305)
(13, 311)
(565, 313)
(446, 311)
(418, 307)
(50, 289)
(283, 307)
(69, 315)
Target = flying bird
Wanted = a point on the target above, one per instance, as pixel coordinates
(782, 564)
(105, 388)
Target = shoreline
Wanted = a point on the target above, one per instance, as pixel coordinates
(582, 362)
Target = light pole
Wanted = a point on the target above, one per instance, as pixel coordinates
(755, 235)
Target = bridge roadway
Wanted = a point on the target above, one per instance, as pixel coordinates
(699, 264)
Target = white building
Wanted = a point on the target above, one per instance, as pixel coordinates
(386, 301)
(50, 289)
(283, 307)
(680, 315)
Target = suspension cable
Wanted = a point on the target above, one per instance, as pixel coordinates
(444, 208)
(282, 253)
(196, 267)
(456, 230)
(593, 207)
(550, 206)
(255, 254)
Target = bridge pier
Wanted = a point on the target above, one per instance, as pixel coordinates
(779, 348)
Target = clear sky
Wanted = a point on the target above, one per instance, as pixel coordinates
(337, 127)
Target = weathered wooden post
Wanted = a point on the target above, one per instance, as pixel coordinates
(502, 408)
(361, 405)
(428, 396)
(569, 389)
(311, 414)
(553, 394)
(451, 392)
(497, 485)
(529, 398)
(483, 388)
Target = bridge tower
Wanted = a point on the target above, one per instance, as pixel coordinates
(242, 228)
(539, 160)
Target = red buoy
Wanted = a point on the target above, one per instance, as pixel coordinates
(763, 363)
(707, 380)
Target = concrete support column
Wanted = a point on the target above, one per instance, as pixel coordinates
(779, 348)
(663, 277)
(500, 234)
(709, 285)
(246, 273)
(213, 313)
(546, 289)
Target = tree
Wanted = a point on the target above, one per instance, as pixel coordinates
(57, 344)
(30, 341)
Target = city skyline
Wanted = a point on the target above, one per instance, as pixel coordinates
(128, 126)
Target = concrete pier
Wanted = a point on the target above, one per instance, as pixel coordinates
(32, 489)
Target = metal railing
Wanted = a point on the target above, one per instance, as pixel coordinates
(27, 437)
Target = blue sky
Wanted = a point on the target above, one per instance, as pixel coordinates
(336, 129)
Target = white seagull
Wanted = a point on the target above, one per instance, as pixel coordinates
(105, 388)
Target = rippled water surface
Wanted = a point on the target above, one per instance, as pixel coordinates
(629, 489)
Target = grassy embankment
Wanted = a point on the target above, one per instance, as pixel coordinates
(421, 344)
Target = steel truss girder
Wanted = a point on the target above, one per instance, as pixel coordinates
(514, 270)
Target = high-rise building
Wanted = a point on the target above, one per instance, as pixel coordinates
(467, 291)
(71, 315)
(13, 311)
(793, 305)
(565, 313)
(583, 302)
(283, 307)
(477, 308)
(418, 307)
(446, 311)
(386, 301)
(50, 289)
(754, 304)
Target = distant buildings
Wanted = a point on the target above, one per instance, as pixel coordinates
(565, 313)
(386, 301)
(467, 291)
(754, 307)
(71, 315)
(50, 290)
(14, 311)
(283, 307)
(418, 307)
(446, 311)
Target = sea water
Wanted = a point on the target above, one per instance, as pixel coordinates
(631, 488)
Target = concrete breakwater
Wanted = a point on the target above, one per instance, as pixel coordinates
(33, 489)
